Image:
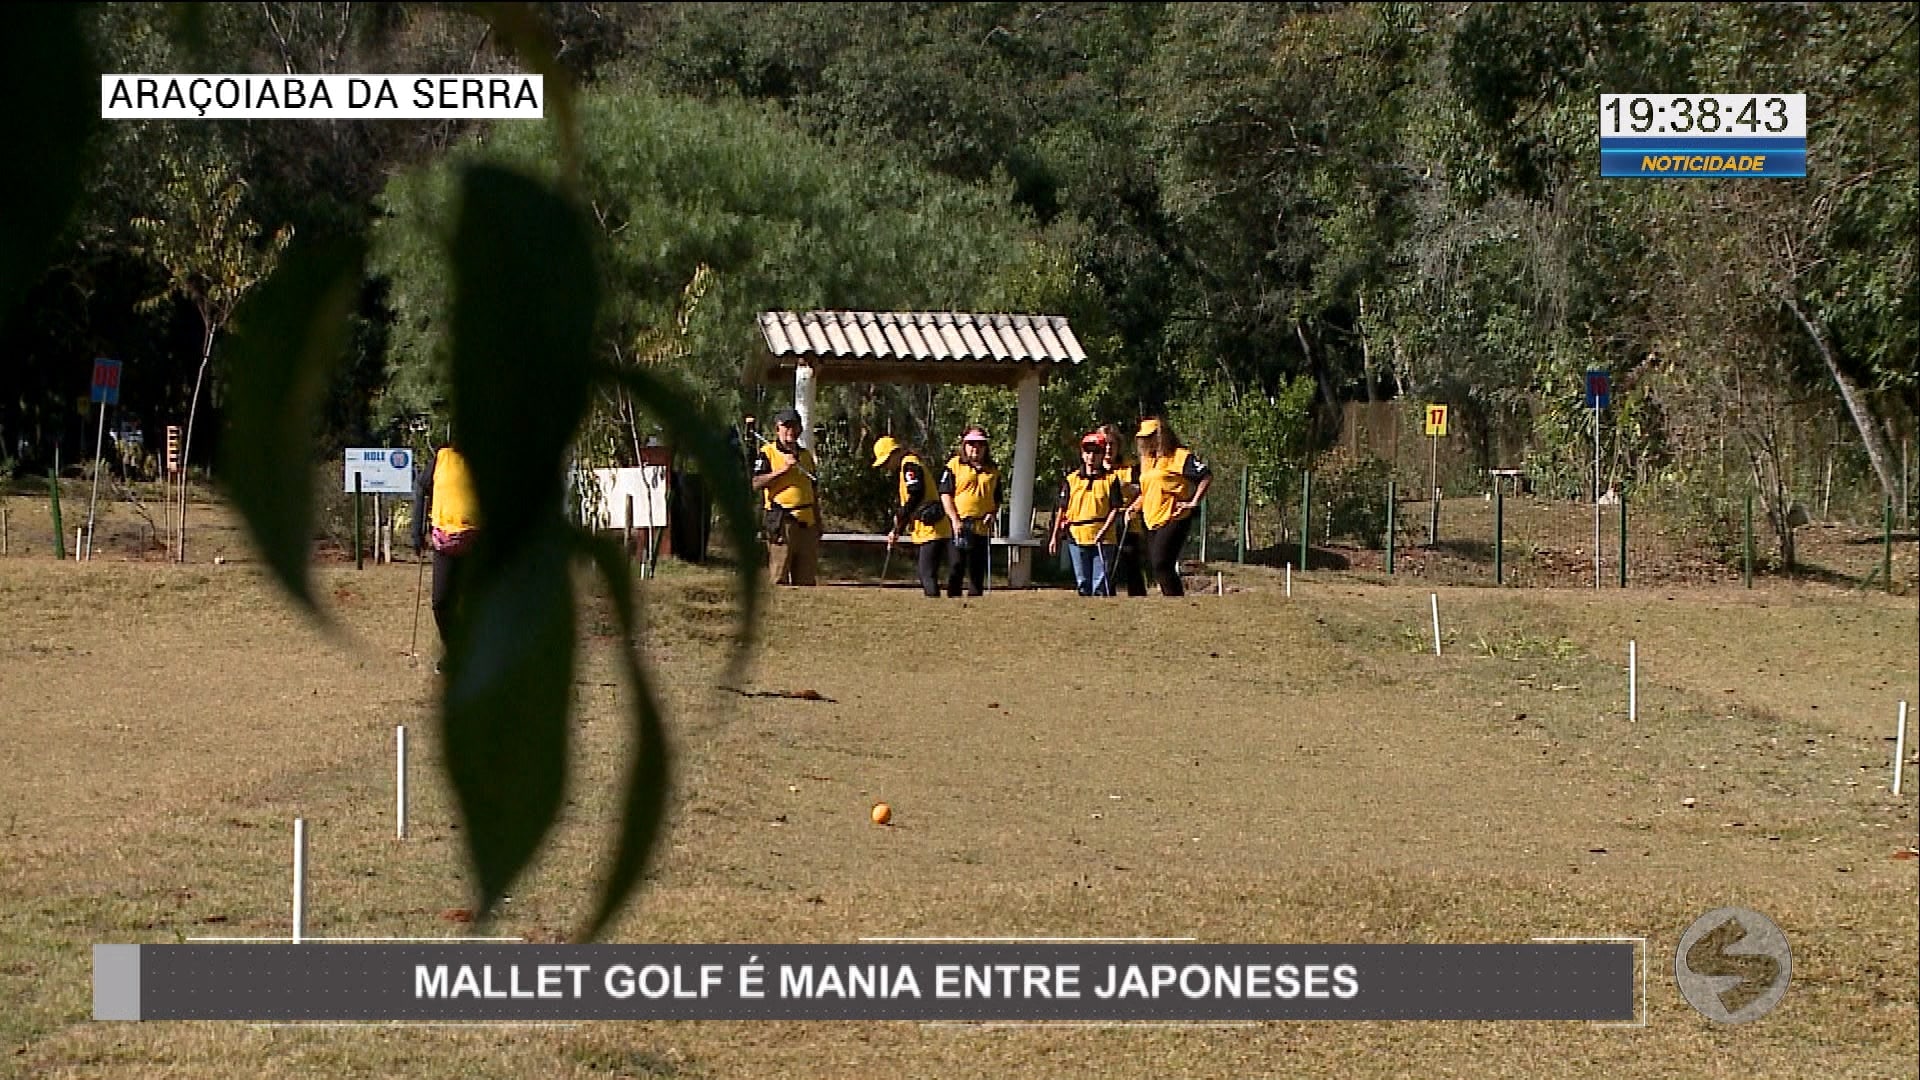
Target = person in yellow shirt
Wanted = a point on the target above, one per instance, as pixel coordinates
(970, 494)
(1088, 511)
(783, 473)
(446, 513)
(1131, 530)
(1172, 483)
(919, 512)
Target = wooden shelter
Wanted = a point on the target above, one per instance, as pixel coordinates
(956, 348)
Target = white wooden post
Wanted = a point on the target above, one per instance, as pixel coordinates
(1900, 748)
(400, 781)
(299, 880)
(1025, 447)
(1633, 681)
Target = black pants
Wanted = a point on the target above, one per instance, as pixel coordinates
(1127, 566)
(448, 572)
(971, 564)
(929, 557)
(1163, 554)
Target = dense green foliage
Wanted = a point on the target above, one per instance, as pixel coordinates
(1391, 201)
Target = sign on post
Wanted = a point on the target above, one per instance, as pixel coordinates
(1599, 388)
(106, 381)
(382, 470)
(173, 449)
(1436, 420)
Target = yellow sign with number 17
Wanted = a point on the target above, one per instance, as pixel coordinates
(1436, 419)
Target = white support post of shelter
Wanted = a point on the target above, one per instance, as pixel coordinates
(803, 400)
(1025, 450)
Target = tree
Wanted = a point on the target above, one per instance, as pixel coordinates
(210, 250)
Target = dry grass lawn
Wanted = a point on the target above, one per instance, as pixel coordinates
(1238, 768)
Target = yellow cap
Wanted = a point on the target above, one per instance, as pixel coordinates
(883, 448)
(1149, 426)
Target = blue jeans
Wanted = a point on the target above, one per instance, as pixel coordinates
(1093, 567)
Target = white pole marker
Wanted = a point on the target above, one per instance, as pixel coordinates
(1900, 748)
(1435, 597)
(1289, 579)
(1633, 680)
(400, 781)
(1219, 583)
(299, 880)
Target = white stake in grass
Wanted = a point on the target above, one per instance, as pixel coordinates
(1435, 597)
(299, 880)
(1900, 748)
(1289, 579)
(1633, 681)
(400, 781)
(1219, 583)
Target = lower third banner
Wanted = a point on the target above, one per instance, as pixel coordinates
(922, 982)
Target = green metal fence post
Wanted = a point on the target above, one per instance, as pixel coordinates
(1746, 559)
(1240, 549)
(1306, 513)
(1623, 541)
(1886, 546)
(53, 482)
(1499, 533)
(1392, 503)
(358, 556)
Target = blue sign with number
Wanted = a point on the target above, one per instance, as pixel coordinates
(1599, 389)
(106, 381)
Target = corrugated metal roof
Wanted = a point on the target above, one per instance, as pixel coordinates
(916, 337)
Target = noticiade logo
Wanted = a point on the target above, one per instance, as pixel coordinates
(1733, 965)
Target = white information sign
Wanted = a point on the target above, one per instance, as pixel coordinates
(382, 470)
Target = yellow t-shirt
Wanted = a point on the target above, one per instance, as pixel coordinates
(1167, 481)
(455, 507)
(919, 531)
(1128, 473)
(1086, 501)
(793, 490)
(976, 493)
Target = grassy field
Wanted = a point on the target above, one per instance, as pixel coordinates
(1245, 767)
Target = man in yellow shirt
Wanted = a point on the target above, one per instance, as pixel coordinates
(1172, 483)
(970, 494)
(446, 513)
(783, 473)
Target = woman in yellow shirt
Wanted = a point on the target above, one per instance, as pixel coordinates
(1087, 511)
(919, 516)
(970, 494)
(446, 502)
(1172, 483)
(1132, 533)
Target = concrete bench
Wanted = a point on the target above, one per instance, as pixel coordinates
(1515, 475)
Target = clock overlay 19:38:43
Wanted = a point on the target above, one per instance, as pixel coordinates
(1703, 135)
